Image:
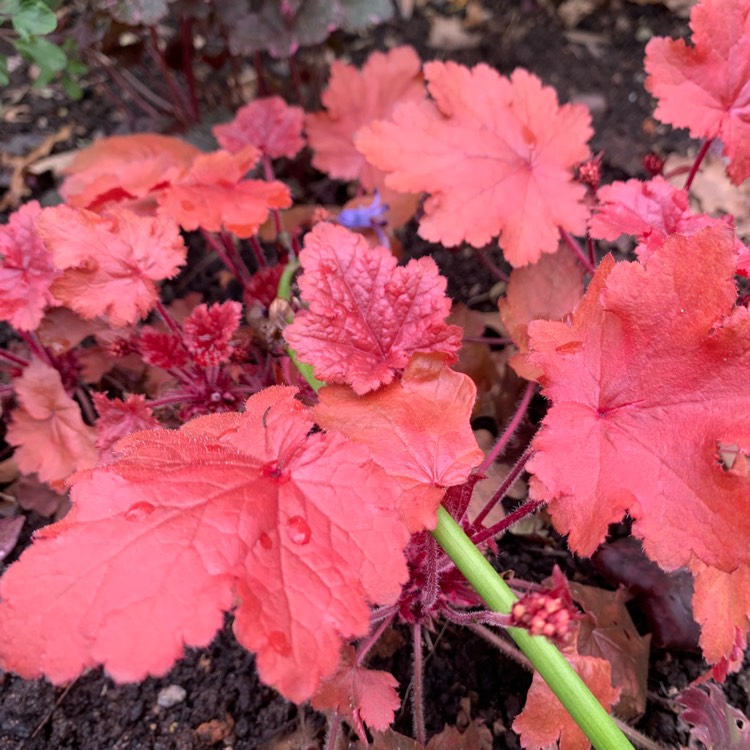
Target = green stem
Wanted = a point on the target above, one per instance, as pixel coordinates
(563, 680)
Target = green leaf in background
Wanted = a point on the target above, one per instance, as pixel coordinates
(359, 14)
(49, 57)
(4, 76)
(33, 17)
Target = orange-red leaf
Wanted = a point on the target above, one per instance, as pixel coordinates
(355, 98)
(496, 155)
(125, 167)
(112, 263)
(705, 87)
(367, 315)
(297, 530)
(544, 720)
(47, 429)
(430, 444)
(359, 695)
(213, 195)
(647, 381)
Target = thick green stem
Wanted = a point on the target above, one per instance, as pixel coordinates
(563, 680)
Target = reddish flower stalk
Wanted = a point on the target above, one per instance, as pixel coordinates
(697, 163)
(502, 490)
(512, 518)
(13, 359)
(497, 449)
(577, 251)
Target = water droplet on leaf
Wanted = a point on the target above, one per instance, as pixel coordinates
(139, 511)
(298, 530)
(279, 643)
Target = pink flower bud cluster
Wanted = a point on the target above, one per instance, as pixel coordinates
(543, 613)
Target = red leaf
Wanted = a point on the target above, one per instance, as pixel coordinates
(26, 270)
(649, 210)
(495, 154)
(269, 124)
(705, 87)
(425, 415)
(208, 332)
(112, 262)
(355, 98)
(295, 529)
(118, 418)
(647, 381)
(50, 436)
(213, 195)
(713, 721)
(125, 167)
(359, 695)
(367, 315)
(544, 720)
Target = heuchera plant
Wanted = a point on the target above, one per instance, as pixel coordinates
(306, 461)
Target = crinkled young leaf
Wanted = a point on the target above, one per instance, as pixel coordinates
(705, 87)
(430, 445)
(496, 155)
(296, 530)
(47, 429)
(269, 124)
(646, 381)
(118, 418)
(715, 724)
(649, 210)
(111, 263)
(26, 270)
(208, 332)
(366, 315)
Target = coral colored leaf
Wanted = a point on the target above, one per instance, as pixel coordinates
(549, 289)
(647, 381)
(544, 720)
(112, 262)
(430, 443)
(360, 696)
(208, 332)
(269, 124)
(296, 530)
(366, 315)
(26, 271)
(706, 87)
(356, 98)
(118, 418)
(50, 436)
(649, 210)
(715, 724)
(125, 167)
(496, 155)
(214, 196)
(721, 605)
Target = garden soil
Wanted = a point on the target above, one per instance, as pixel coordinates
(212, 697)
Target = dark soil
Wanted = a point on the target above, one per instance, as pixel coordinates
(224, 705)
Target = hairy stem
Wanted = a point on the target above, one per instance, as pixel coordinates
(502, 490)
(332, 733)
(503, 440)
(512, 518)
(366, 645)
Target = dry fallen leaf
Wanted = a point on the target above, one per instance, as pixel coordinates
(20, 166)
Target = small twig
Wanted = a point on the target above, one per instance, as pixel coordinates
(417, 698)
(52, 710)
